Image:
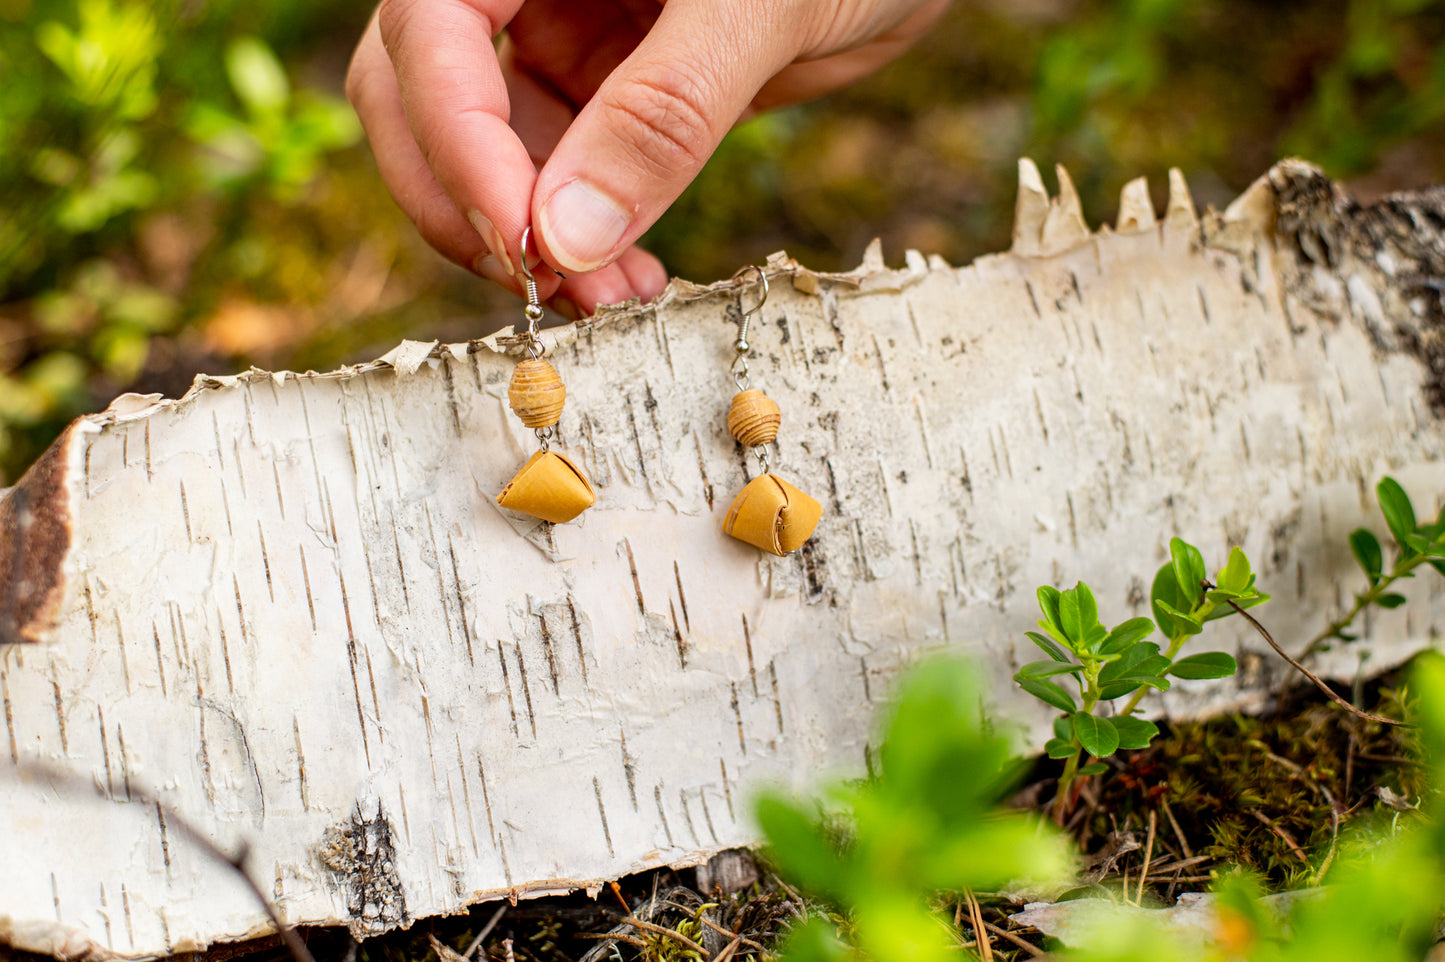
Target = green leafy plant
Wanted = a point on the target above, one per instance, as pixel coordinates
(929, 820)
(1108, 664)
(1416, 543)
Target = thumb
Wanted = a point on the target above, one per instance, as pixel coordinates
(651, 125)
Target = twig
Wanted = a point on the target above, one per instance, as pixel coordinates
(1028, 947)
(729, 950)
(507, 950)
(975, 915)
(699, 916)
(486, 931)
(1284, 836)
(141, 796)
(1148, 857)
(663, 930)
(613, 937)
(1318, 682)
(1178, 832)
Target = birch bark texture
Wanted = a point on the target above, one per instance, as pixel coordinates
(288, 605)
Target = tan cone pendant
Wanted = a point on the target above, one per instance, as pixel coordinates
(772, 515)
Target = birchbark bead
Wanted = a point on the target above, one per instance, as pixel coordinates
(753, 418)
(537, 393)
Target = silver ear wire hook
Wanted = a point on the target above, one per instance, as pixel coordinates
(741, 345)
(533, 310)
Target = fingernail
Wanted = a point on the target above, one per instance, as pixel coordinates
(582, 225)
(489, 234)
(567, 308)
(490, 267)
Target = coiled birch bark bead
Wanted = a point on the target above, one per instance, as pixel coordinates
(536, 393)
(753, 418)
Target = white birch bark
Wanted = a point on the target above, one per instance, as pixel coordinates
(289, 606)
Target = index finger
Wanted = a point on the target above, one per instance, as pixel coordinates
(456, 104)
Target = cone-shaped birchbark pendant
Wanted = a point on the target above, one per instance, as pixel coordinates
(772, 515)
(549, 486)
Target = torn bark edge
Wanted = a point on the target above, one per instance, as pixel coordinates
(36, 529)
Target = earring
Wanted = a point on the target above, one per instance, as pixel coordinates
(769, 513)
(549, 486)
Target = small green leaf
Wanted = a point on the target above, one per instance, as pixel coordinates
(1367, 551)
(1209, 664)
(1134, 732)
(1069, 619)
(1128, 663)
(1093, 768)
(799, 845)
(1125, 635)
(1131, 683)
(1044, 669)
(1058, 748)
(1438, 566)
(1184, 624)
(1390, 600)
(1098, 735)
(1048, 693)
(1188, 566)
(1235, 576)
(1395, 506)
(1064, 728)
(1088, 608)
(1165, 591)
(1048, 597)
(1049, 646)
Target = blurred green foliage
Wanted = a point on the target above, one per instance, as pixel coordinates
(181, 187)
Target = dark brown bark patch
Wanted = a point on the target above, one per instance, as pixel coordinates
(36, 528)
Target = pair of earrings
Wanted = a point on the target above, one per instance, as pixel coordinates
(769, 513)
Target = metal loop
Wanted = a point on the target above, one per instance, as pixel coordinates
(761, 453)
(533, 310)
(544, 435)
(741, 345)
(740, 372)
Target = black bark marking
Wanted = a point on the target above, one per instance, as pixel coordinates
(863, 673)
(462, 601)
(507, 684)
(577, 636)
(441, 579)
(452, 395)
(355, 681)
(400, 566)
(636, 438)
(186, 514)
(165, 843)
(301, 766)
(225, 652)
(60, 718)
(662, 814)
(361, 857)
(467, 799)
(707, 815)
(280, 498)
(1203, 305)
(306, 581)
(917, 561)
(266, 561)
(748, 642)
(882, 371)
(738, 714)
(923, 429)
(526, 689)
(830, 314)
(777, 697)
(1074, 283)
(150, 474)
(681, 596)
(486, 798)
(226, 506)
(727, 790)
(1033, 300)
(1073, 521)
(707, 491)
(105, 751)
(636, 582)
(602, 813)
(677, 635)
(124, 761)
(687, 817)
(833, 486)
(815, 568)
(160, 659)
(1039, 410)
(551, 655)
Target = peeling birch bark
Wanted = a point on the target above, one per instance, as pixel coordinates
(289, 606)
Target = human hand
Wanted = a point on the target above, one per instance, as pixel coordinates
(590, 117)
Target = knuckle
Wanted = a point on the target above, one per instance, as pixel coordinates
(665, 118)
(392, 17)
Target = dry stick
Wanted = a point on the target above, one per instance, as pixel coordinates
(1318, 682)
(663, 930)
(1028, 947)
(1148, 856)
(729, 950)
(1178, 833)
(1285, 836)
(139, 795)
(748, 943)
(507, 950)
(975, 915)
(613, 937)
(486, 931)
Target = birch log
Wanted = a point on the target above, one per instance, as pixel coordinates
(288, 606)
